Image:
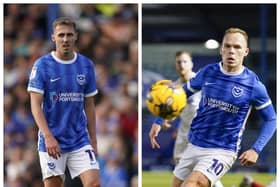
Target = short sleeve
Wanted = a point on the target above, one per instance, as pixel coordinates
(260, 97)
(36, 80)
(91, 89)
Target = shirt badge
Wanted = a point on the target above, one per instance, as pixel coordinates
(237, 91)
(81, 79)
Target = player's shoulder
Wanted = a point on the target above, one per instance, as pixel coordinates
(254, 80)
(212, 67)
(251, 74)
(43, 60)
(209, 69)
(84, 59)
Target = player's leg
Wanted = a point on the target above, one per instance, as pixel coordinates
(212, 164)
(181, 144)
(83, 163)
(90, 178)
(176, 182)
(55, 181)
(184, 167)
(196, 179)
(202, 166)
(52, 169)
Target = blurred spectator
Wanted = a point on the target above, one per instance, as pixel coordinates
(16, 166)
(114, 173)
(107, 35)
(248, 181)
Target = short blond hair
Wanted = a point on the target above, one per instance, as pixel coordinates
(237, 30)
(179, 53)
(64, 21)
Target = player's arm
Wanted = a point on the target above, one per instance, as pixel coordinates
(51, 143)
(191, 87)
(154, 131)
(194, 85)
(91, 119)
(267, 112)
(250, 156)
(157, 125)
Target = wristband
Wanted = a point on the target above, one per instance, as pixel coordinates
(159, 121)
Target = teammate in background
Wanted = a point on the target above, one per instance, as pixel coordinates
(184, 66)
(229, 90)
(63, 83)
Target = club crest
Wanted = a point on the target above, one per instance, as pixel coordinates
(81, 79)
(237, 91)
(51, 165)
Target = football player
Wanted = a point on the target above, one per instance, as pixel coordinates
(62, 88)
(229, 90)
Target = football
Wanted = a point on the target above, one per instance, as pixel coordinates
(166, 99)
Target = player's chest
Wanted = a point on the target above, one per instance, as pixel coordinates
(69, 79)
(227, 90)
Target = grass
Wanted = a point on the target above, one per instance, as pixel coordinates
(163, 179)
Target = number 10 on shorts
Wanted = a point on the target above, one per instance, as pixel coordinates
(216, 168)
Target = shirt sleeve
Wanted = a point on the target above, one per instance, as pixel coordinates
(159, 120)
(263, 104)
(91, 89)
(195, 84)
(260, 97)
(268, 128)
(36, 79)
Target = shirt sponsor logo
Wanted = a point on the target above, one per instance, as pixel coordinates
(66, 97)
(222, 105)
(53, 96)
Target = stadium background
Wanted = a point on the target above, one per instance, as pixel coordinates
(108, 35)
(167, 28)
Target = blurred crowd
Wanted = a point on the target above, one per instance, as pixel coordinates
(108, 36)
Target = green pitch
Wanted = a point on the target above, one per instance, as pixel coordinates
(163, 179)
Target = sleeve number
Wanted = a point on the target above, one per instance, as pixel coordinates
(217, 167)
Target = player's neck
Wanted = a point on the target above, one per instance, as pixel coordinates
(64, 56)
(232, 70)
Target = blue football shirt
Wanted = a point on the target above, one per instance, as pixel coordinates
(64, 85)
(225, 105)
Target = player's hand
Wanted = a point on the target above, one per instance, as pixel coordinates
(52, 146)
(153, 134)
(166, 124)
(95, 150)
(248, 157)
